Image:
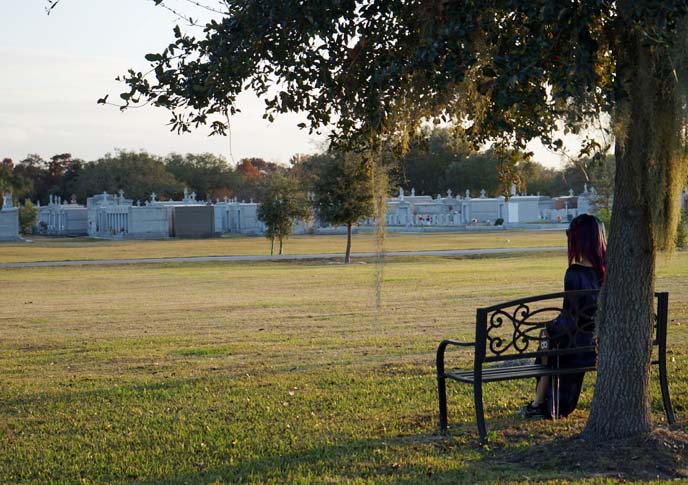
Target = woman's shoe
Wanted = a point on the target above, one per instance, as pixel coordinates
(533, 412)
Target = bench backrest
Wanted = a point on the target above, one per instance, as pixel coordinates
(511, 330)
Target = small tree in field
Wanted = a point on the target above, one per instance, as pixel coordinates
(343, 192)
(27, 216)
(282, 202)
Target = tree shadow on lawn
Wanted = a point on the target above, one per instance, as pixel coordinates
(660, 455)
(349, 461)
(547, 450)
(459, 458)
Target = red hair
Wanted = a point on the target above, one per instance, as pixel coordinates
(586, 241)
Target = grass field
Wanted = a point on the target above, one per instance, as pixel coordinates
(61, 249)
(271, 372)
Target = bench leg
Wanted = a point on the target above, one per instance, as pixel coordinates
(664, 386)
(442, 394)
(442, 385)
(479, 413)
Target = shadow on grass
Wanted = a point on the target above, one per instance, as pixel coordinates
(350, 461)
(522, 451)
(659, 455)
(545, 450)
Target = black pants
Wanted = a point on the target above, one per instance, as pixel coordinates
(563, 393)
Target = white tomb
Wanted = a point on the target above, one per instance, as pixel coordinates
(420, 210)
(114, 217)
(234, 217)
(460, 211)
(169, 206)
(9, 219)
(59, 218)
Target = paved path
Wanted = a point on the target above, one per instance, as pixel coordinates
(285, 257)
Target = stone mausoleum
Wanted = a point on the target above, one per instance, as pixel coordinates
(234, 217)
(59, 218)
(9, 219)
(115, 217)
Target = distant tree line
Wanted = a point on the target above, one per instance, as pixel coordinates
(430, 167)
(440, 161)
(137, 173)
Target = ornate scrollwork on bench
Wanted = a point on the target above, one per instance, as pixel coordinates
(517, 328)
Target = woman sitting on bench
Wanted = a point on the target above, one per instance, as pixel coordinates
(586, 271)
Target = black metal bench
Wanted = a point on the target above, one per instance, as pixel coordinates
(507, 337)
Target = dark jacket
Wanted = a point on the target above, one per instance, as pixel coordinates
(575, 326)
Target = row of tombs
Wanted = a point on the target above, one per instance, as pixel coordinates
(110, 216)
(116, 217)
(423, 210)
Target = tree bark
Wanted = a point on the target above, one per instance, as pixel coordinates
(280, 246)
(620, 404)
(347, 255)
(272, 246)
(621, 401)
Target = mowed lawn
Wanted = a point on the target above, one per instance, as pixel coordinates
(62, 249)
(271, 372)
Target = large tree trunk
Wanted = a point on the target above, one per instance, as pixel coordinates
(347, 255)
(621, 403)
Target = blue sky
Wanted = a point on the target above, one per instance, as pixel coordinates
(54, 68)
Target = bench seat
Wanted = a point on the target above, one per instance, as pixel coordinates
(508, 373)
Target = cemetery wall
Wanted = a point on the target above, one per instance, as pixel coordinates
(77, 222)
(221, 217)
(9, 225)
(528, 209)
(148, 222)
(243, 219)
(486, 210)
(62, 220)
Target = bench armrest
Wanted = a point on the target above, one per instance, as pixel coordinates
(443, 347)
(458, 343)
